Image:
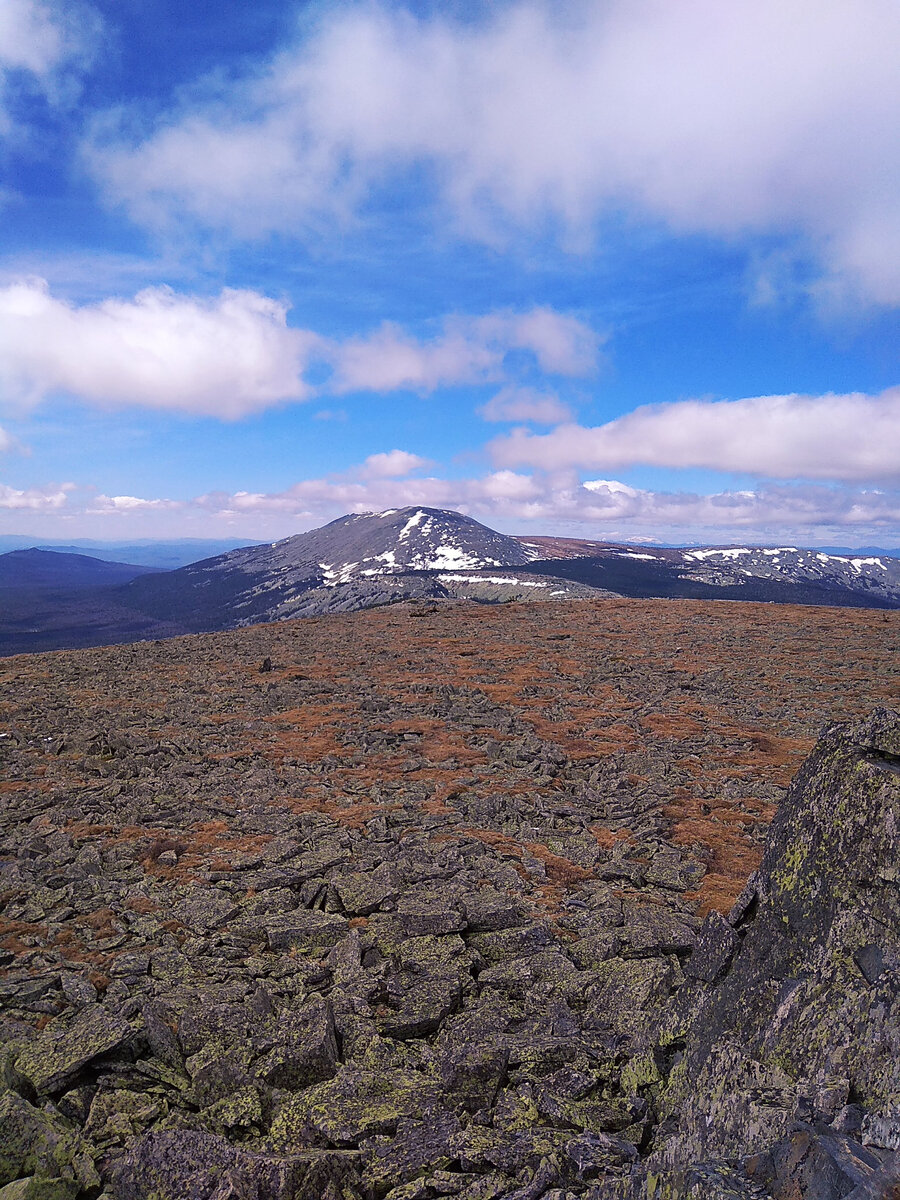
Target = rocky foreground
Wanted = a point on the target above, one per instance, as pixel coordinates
(450, 901)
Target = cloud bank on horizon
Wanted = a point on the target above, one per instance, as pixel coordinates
(658, 239)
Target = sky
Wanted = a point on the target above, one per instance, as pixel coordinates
(621, 269)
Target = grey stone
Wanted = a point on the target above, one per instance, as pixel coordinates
(716, 944)
(206, 909)
(362, 892)
(305, 1049)
(177, 1165)
(305, 929)
(54, 1059)
(429, 913)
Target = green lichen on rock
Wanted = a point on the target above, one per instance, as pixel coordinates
(240, 1112)
(40, 1146)
(808, 1006)
(353, 1105)
(53, 1060)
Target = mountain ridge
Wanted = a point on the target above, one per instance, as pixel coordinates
(36, 568)
(366, 560)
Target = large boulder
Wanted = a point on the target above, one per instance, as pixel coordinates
(170, 1165)
(789, 1066)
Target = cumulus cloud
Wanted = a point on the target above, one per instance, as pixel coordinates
(468, 350)
(842, 437)
(393, 464)
(525, 404)
(234, 354)
(804, 511)
(755, 116)
(533, 502)
(36, 498)
(601, 508)
(116, 505)
(357, 491)
(222, 356)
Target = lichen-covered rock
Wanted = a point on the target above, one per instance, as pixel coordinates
(54, 1059)
(807, 1014)
(649, 929)
(429, 913)
(362, 892)
(489, 910)
(198, 1025)
(28, 1137)
(306, 929)
(205, 909)
(421, 1142)
(472, 1071)
(795, 1010)
(714, 948)
(177, 1165)
(304, 1049)
(117, 1114)
(354, 1105)
(627, 994)
(423, 1002)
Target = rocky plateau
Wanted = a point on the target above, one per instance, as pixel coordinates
(587, 899)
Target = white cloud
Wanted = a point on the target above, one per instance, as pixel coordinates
(110, 505)
(36, 498)
(234, 354)
(390, 359)
(748, 117)
(598, 508)
(40, 41)
(534, 502)
(393, 465)
(525, 404)
(469, 350)
(808, 512)
(841, 437)
(223, 356)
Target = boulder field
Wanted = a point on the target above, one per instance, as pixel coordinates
(505, 984)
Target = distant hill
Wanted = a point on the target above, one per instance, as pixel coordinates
(50, 569)
(166, 555)
(768, 574)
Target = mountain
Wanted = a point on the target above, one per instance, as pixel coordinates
(776, 574)
(49, 569)
(358, 561)
(50, 601)
(368, 560)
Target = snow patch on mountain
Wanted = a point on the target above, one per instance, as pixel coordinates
(509, 580)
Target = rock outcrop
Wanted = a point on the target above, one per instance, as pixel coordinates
(789, 1064)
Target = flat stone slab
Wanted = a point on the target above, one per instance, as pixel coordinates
(307, 929)
(206, 909)
(56, 1057)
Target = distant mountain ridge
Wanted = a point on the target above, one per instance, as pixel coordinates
(163, 554)
(782, 574)
(35, 568)
(366, 560)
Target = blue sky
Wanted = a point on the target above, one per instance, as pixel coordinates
(612, 269)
